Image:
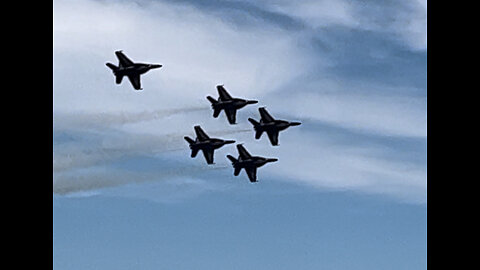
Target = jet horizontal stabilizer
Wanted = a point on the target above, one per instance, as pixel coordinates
(258, 134)
(194, 152)
(112, 66)
(254, 123)
(212, 100)
(232, 159)
(189, 140)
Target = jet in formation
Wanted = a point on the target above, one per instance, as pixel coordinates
(248, 162)
(205, 143)
(270, 125)
(228, 104)
(127, 67)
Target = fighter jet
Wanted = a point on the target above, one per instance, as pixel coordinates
(205, 143)
(248, 162)
(227, 103)
(130, 69)
(270, 125)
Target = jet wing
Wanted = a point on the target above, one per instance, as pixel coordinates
(243, 152)
(252, 174)
(135, 80)
(223, 93)
(266, 117)
(123, 59)
(201, 135)
(208, 154)
(273, 136)
(231, 115)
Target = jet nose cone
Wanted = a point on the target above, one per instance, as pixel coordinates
(295, 123)
(252, 102)
(229, 142)
(272, 159)
(155, 66)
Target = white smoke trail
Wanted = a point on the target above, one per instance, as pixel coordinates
(82, 163)
(97, 178)
(89, 120)
(119, 145)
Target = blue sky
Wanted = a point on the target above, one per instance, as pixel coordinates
(349, 189)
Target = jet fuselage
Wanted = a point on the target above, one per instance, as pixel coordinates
(234, 103)
(211, 143)
(253, 162)
(274, 125)
(135, 69)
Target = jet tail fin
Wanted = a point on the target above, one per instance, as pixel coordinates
(194, 149)
(118, 78)
(216, 111)
(212, 100)
(189, 140)
(258, 132)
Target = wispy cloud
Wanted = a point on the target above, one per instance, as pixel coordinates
(389, 115)
(404, 21)
(273, 54)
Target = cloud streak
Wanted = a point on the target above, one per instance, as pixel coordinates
(270, 51)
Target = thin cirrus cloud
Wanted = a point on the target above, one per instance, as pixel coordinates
(404, 21)
(99, 124)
